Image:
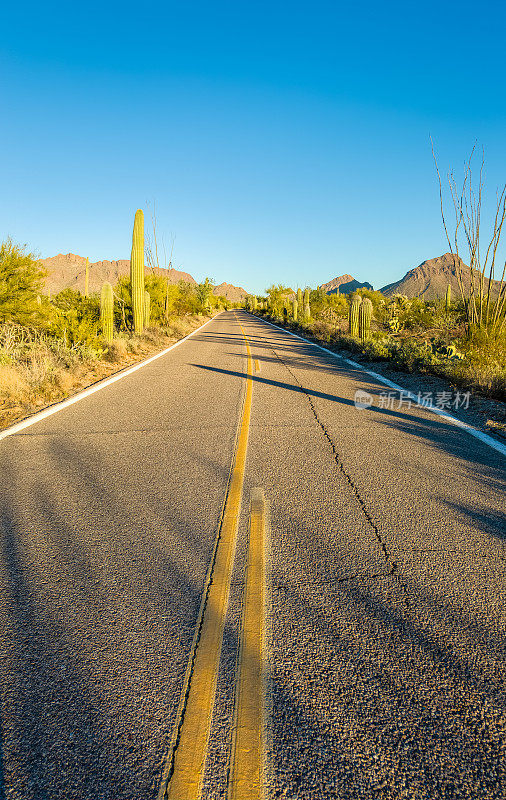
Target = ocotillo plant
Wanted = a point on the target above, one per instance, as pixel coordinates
(299, 297)
(87, 277)
(137, 271)
(295, 309)
(106, 311)
(448, 298)
(353, 316)
(147, 309)
(364, 319)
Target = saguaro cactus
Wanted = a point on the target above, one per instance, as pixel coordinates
(147, 309)
(255, 302)
(106, 311)
(307, 307)
(364, 319)
(295, 309)
(299, 297)
(87, 278)
(353, 315)
(137, 271)
(448, 297)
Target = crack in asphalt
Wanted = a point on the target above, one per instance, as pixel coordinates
(393, 565)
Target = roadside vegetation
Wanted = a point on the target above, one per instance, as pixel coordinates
(461, 339)
(53, 346)
(432, 337)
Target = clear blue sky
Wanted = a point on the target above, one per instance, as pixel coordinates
(281, 141)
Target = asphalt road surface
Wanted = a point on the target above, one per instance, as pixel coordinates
(385, 623)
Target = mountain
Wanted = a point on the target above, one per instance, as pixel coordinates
(235, 294)
(67, 272)
(430, 279)
(343, 285)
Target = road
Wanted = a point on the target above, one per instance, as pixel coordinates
(383, 622)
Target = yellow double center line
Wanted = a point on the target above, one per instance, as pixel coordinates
(184, 767)
(247, 765)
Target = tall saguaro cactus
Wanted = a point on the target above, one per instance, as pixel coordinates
(353, 316)
(448, 297)
(307, 308)
(87, 278)
(137, 271)
(299, 297)
(364, 319)
(295, 307)
(147, 309)
(106, 312)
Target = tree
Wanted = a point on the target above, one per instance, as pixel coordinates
(204, 292)
(21, 278)
(277, 297)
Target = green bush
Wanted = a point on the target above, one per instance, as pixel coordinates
(21, 279)
(74, 318)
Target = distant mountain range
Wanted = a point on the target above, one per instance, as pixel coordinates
(429, 280)
(344, 285)
(235, 294)
(67, 272)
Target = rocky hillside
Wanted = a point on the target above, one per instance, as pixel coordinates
(430, 279)
(235, 294)
(67, 272)
(343, 285)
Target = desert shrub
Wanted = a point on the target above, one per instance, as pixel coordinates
(21, 280)
(74, 319)
(116, 351)
(412, 355)
(277, 296)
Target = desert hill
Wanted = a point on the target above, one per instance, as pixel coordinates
(343, 285)
(430, 279)
(235, 294)
(67, 272)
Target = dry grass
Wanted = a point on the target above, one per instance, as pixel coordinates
(36, 370)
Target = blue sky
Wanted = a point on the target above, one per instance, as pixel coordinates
(280, 142)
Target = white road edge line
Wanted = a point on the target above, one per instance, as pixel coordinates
(53, 409)
(483, 437)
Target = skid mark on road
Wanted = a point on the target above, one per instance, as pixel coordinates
(247, 759)
(184, 766)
